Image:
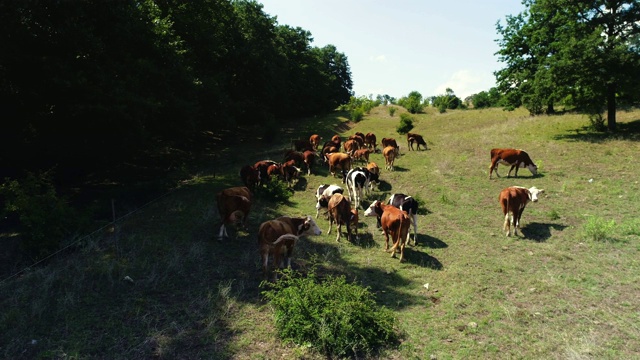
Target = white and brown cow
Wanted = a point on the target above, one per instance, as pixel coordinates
(395, 223)
(514, 157)
(323, 194)
(513, 200)
(234, 204)
(271, 243)
(358, 180)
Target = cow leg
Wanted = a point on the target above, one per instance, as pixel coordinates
(493, 167)
(222, 233)
(339, 228)
(506, 226)
(517, 220)
(330, 224)
(265, 261)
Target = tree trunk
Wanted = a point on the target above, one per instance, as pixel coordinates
(611, 106)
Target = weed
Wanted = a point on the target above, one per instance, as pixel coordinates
(553, 214)
(599, 229)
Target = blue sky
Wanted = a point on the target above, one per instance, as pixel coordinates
(395, 47)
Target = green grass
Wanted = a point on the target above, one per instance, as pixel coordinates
(554, 293)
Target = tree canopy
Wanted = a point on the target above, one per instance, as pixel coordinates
(580, 53)
(91, 83)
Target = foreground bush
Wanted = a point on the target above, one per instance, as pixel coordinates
(334, 318)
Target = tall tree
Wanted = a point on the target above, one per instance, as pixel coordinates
(584, 51)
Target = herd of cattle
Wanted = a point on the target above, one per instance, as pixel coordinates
(277, 237)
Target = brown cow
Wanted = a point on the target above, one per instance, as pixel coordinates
(336, 139)
(309, 159)
(269, 233)
(513, 201)
(339, 160)
(350, 146)
(357, 138)
(296, 156)
(417, 139)
(370, 141)
(339, 210)
(262, 167)
(315, 140)
(231, 202)
(514, 157)
(390, 154)
(395, 223)
(250, 177)
(389, 142)
(374, 172)
(362, 154)
(290, 172)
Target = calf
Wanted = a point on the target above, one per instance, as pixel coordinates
(340, 212)
(390, 154)
(315, 140)
(417, 139)
(362, 154)
(370, 141)
(395, 223)
(409, 205)
(233, 203)
(271, 231)
(323, 194)
(513, 201)
(514, 157)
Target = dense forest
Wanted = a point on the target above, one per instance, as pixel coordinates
(87, 84)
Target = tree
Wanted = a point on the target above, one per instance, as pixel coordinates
(412, 102)
(583, 51)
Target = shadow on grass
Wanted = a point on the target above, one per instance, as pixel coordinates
(626, 131)
(431, 242)
(384, 186)
(540, 232)
(417, 257)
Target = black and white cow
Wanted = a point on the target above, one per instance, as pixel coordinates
(358, 180)
(323, 194)
(409, 205)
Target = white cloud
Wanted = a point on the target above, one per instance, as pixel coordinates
(465, 83)
(379, 58)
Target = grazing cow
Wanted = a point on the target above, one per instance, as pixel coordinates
(233, 203)
(362, 154)
(357, 180)
(290, 172)
(390, 154)
(390, 142)
(296, 156)
(336, 139)
(309, 158)
(417, 139)
(350, 146)
(374, 176)
(370, 141)
(302, 145)
(274, 170)
(395, 223)
(269, 233)
(339, 209)
(515, 158)
(409, 205)
(323, 194)
(250, 177)
(262, 167)
(339, 160)
(329, 149)
(357, 138)
(315, 140)
(513, 201)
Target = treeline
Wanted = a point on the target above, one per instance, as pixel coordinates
(88, 84)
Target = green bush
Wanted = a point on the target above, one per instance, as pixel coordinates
(45, 218)
(406, 124)
(392, 110)
(334, 318)
(356, 114)
(599, 229)
(276, 190)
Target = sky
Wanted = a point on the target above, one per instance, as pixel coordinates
(395, 47)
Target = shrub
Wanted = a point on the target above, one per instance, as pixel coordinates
(45, 218)
(392, 110)
(334, 318)
(406, 124)
(276, 190)
(599, 229)
(357, 114)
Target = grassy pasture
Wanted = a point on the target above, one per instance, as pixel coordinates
(554, 293)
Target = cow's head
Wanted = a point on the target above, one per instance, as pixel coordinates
(371, 211)
(533, 168)
(534, 192)
(309, 227)
(323, 202)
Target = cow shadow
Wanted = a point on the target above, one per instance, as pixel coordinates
(416, 257)
(399, 169)
(384, 186)
(430, 242)
(365, 240)
(540, 232)
(301, 184)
